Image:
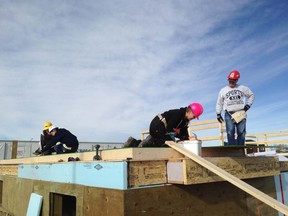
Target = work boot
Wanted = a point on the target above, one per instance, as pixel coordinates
(37, 152)
(131, 142)
(147, 142)
(71, 159)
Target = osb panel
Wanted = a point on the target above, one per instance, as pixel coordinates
(103, 202)
(17, 191)
(256, 207)
(9, 170)
(283, 166)
(16, 194)
(214, 199)
(146, 173)
(44, 189)
(241, 167)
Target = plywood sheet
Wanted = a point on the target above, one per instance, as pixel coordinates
(215, 199)
(241, 167)
(146, 173)
(16, 194)
(103, 202)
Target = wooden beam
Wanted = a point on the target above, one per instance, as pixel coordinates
(14, 149)
(232, 179)
(106, 155)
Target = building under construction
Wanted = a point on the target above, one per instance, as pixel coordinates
(151, 181)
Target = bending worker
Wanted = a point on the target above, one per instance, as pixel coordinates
(171, 124)
(45, 138)
(233, 98)
(63, 141)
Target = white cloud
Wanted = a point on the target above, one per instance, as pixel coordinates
(104, 69)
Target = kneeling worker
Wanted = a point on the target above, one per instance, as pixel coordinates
(63, 141)
(171, 124)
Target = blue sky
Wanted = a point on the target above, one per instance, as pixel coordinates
(104, 69)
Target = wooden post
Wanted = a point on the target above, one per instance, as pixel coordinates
(14, 149)
(231, 178)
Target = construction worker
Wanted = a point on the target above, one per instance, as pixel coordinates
(45, 137)
(171, 124)
(63, 141)
(233, 99)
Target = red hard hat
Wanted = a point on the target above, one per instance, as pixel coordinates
(234, 75)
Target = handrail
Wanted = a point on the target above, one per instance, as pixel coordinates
(263, 138)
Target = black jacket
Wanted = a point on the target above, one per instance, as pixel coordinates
(45, 139)
(176, 119)
(64, 136)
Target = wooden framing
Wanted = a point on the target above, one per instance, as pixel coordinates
(146, 173)
(265, 138)
(188, 171)
(106, 155)
(232, 179)
(215, 199)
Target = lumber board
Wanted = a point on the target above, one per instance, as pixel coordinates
(106, 155)
(222, 151)
(146, 173)
(232, 179)
(9, 169)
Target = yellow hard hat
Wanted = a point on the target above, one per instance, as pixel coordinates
(47, 125)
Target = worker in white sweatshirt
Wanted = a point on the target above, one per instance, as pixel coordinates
(234, 98)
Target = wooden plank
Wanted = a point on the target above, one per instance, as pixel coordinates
(9, 169)
(203, 122)
(106, 155)
(146, 173)
(223, 151)
(232, 179)
(14, 149)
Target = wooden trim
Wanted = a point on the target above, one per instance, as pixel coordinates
(232, 179)
(14, 149)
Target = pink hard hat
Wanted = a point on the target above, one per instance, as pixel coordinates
(197, 109)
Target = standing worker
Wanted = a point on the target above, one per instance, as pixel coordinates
(233, 98)
(63, 141)
(171, 124)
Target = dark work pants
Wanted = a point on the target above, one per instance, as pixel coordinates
(158, 132)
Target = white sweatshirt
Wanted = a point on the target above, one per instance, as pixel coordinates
(234, 99)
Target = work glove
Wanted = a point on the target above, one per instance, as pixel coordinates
(219, 118)
(247, 107)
